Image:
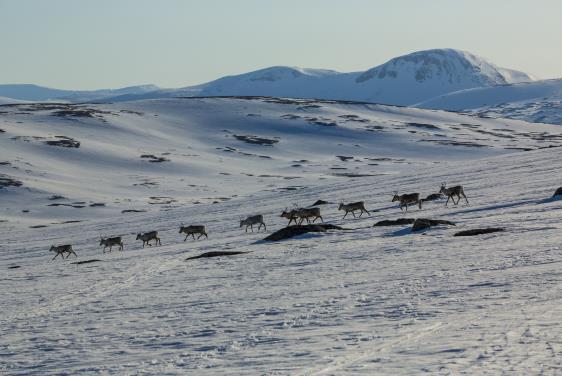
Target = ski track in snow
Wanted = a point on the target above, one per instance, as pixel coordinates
(374, 300)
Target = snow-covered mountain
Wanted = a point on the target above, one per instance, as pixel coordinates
(369, 300)
(404, 80)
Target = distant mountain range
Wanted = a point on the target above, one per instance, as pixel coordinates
(439, 79)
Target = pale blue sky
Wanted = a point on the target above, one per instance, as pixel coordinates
(89, 44)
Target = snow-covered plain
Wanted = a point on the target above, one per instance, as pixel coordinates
(371, 300)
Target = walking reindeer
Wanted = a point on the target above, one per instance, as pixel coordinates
(147, 237)
(110, 242)
(457, 190)
(253, 220)
(407, 199)
(61, 250)
(301, 214)
(192, 230)
(353, 207)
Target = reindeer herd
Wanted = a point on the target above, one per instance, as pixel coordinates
(297, 215)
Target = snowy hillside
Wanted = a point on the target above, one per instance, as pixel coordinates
(538, 101)
(369, 300)
(64, 162)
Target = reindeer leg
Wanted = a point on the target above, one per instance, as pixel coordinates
(353, 212)
(448, 197)
(121, 246)
(252, 227)
(345, 215)
(206, 237)
(465, 197)
(193, 235)
(264, 227)
(55, 256)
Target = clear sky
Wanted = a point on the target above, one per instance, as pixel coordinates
(89, 44)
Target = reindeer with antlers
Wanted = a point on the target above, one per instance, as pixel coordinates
(407, 199)
(457, 190)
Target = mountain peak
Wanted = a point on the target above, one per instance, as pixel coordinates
(447, 66)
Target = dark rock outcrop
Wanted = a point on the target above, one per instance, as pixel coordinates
(479, 231)
(558, 192)
(216, 254)
(433, 197)
(395, 222)
(292, 231)
(425, 223)
(320, 202)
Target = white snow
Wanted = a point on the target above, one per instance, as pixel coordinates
(538, 101)
(371, 300)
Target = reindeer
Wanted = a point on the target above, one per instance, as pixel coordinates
(301, 214)
(192, 230)
(110, 242)
(457, 190)
(147, 237)
(290, 215)
(407, 199)
(251, 221)
(61, 250)
(360, 205)
(305, 213)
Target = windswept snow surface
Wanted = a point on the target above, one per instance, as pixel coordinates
(369, 300)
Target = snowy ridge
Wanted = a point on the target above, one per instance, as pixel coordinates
(77, 162)
(538, 101)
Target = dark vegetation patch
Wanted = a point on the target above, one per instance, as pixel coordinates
(325, 123)
(85, 262)
(154, 159)
(38, 226)
(97, 204)
(5, 163)
(132, 211)
(354, 118)
(73, 205)
(343, 158)
(6, 181)
(56, 197)
(455, 143)
(161, 200)
(292, 231)
(479, 231)
(425, 223)
(14, 267)
(422, 125)
(250, 139)
(71, 221)
(351, 175)
(395, 222)
(215, 254)
(63, 141)
(290, 116)
(2, 131)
